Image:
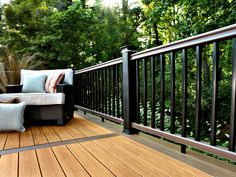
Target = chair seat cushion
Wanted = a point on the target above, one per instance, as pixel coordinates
(37, 98)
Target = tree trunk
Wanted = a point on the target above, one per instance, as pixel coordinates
(83, 2)
(206, 75)
(157, 42)
(125, 9)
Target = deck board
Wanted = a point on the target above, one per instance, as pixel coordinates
(13, 140)
(50, 134)
(68, 162)
(147, 155)
(150, 153)
(48, 163)
(137, 164)
(75, 132)
(26, 138)
(3, 138)
(115, 165)
(77, 125)
(9, 165)
(92, 165)
(94, 155)
(32, 167)
(39, 136)
(62, 133)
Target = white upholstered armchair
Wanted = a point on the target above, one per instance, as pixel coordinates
(44, 100)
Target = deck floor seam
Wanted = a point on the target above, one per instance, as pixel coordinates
(53, 144)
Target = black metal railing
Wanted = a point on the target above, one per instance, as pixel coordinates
(148, 91)
(99, 90)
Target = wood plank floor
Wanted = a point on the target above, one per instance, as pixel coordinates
(99, 154)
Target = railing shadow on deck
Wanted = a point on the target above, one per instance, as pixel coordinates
(119, 91)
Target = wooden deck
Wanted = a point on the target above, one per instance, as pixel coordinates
(83, 148)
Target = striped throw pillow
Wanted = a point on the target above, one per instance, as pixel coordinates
(53, 80)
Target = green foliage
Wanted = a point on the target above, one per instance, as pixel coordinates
(171, 20)
(77, 35)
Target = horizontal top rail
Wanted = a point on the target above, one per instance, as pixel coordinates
(100, 65)
(219, 34)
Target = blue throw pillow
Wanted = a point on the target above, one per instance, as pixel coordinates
(12, 117)
(34, 84)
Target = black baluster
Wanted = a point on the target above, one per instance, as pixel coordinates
(105, 88)
(99, 86)
(97, 90)
(121, 92)
(232, 137)
(198, 92)
(102, 91)
(184, 93)
(100, 83)
(94, 90)
(86, 89)
(89, 90)
(172, 111)
(215, 79)
(117, 91)
(137, 91)
(153, 108)
(113, 90)
(162, 102)
(145, 92)
(82, 90)
(109, 89)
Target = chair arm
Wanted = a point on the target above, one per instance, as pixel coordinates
(13, 88)
(68, 90)
(64, 88)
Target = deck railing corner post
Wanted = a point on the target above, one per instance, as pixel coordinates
(129, 89)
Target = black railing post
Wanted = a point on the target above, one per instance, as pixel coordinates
(129, 90)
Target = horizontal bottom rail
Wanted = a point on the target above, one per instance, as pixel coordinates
(105, 116)
(187, 141)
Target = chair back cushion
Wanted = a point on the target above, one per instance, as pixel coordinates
(68, 79)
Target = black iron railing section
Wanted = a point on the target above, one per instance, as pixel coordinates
(99, 90)
(184, 91)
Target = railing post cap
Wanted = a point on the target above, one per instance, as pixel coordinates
(127, 48)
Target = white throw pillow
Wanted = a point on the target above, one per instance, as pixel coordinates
(12, 117)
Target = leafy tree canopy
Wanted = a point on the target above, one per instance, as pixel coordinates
(69, 32)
